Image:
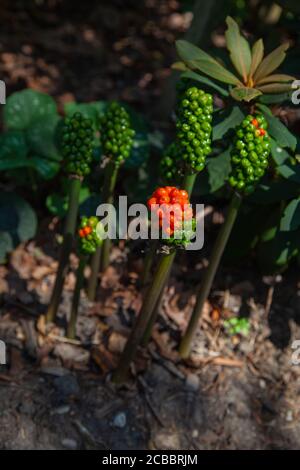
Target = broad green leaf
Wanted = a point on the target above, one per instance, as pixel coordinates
(13, 150)
(274, 191)
(290, 172)
(215, 175)
(257, 54)
(275, 98)
(24, 107)
(291, 216)
(18, 221)
(41, 137)
(45, 167)
(57, 204)
(276, 77)
(91, 110)
(244, 93)
(271, 62)
(206, 81)
(278, 130)
(279, 154)
(195, 58)
(240, 53)
(275, 253)
(275, 88)
(234, 119)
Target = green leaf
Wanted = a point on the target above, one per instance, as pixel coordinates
(45, 167)
(216, 173)
(13, 151)
(279, 154)
(24, 107)
(244, 93)
(195, 58)
(291, 216)
(276, 252)
(57, 203)
(206, 81)
(257, 54)
(271, 62)
(18, 222)
(234, 119)
(274, 191)
(240, 53)
(278, 130)
(274, 99)
(275, 88)
(41, 137)
(276, 77)
(91, 110)
(290, 172)
(180, 66)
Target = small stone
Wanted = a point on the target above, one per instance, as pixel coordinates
(262, 384)
(289, 416)
(61, 410)
(195, 433)
(192, 382)
(120, 420)
(69, 443)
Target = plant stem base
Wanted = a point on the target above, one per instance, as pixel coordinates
(205, 287)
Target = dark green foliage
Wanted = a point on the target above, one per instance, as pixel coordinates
(116, 134)
(77, 144)
(194, 128)
(18, 222)
(250, 152)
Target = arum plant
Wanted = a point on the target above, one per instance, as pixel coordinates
(90, 239)
(186, 156)
(116, 135)
(77, 140)
(172, 208)
(255, 71)
(249, 160)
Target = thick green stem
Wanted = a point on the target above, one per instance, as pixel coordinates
(155, 313)
(148, 264)
(109, 187)
(209, 275)
(189, 181)
(142, 320)
(69, 230)
(71, 330)
(100, 258)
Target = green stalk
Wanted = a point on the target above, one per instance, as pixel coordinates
(71, 330)
(188, 182)
(148, 263)
(69, 230)
(100, 258)
(142, 320)
(214, 262)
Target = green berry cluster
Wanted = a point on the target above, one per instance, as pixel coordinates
(249, 156)
(170, 164)
(89, 236)
(77, 144)
(181, 238)
(116, 133)
(194, 127)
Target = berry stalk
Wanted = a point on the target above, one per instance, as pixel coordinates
(69, 230)
(207, 281)
(77, 141)
(100, 258)
(71, 330)
(142, 320)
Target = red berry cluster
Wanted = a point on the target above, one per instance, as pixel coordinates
(84, 232)
(175, 207)
(260, 130)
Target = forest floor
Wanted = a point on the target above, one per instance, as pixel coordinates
(234, 392)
